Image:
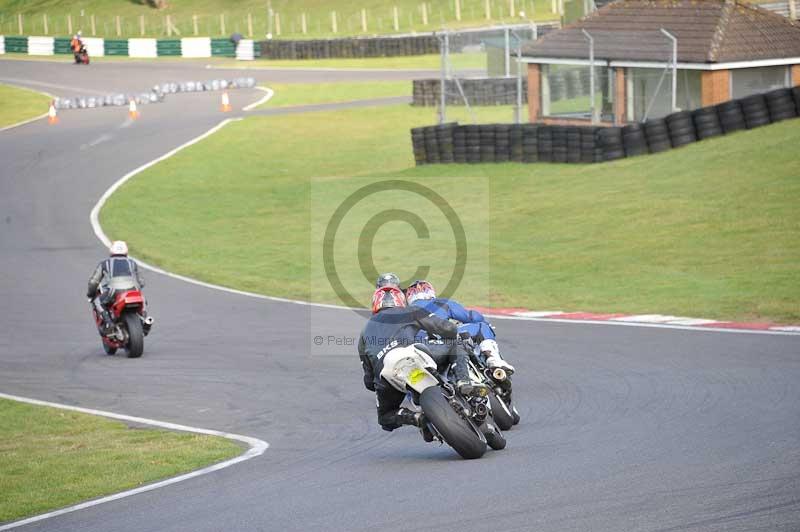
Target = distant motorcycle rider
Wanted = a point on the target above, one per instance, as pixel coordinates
(393, 325)
(421, 294)
(77, 46)
(118, 272)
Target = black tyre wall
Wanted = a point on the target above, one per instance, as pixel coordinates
(731, 117)
(634, 140)
(681, 128)
(756, 113)
(706, 122)
(780, 104)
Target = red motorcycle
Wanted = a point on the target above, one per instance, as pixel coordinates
(131, 324)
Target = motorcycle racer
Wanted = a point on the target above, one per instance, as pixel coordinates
(393, 325)
(118, 272)
(421, 294)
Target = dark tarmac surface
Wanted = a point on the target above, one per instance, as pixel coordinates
(623, 428)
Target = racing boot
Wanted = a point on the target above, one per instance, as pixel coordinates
(491, 351)
(407, 416)
(107, 327)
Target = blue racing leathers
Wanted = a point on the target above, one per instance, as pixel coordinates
(471, 322)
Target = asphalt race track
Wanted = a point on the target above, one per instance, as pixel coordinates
(623, 428)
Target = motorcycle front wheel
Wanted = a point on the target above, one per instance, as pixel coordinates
(135, 345)
(456, 431)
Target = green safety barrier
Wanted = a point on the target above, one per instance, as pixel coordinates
(168, 47)
(61, 45)
(115, 46)
(223, 48)
(16, 45)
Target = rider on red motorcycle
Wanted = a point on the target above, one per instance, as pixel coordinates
(118, 272)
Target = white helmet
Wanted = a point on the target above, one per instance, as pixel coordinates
(490, 348)
(118, 247)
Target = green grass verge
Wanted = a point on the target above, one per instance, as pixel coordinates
(289, 94)
(709, 230)
(51, 458)
(17, 105)
(318, 13)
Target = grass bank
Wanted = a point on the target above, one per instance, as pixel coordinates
(53, 458)
(221, 18)
(709, 230)
(17, 105)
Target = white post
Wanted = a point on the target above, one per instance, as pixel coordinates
(424, 14)
(792, 10)
(277, 24)
(674, 68)
(511, 11)
(303, 24)
(442, 92)
(364, 20)
(488, 9)
(554, 6)
(194, 24)
(141, 25)
(507, 51)
(396, 17)
(458, 9)
(69, 24)
(334, 23)
(518, 110)
(94, 29)
(249, 25)
(44, 20)
(19, 22)
(592, 97)
(222, 23)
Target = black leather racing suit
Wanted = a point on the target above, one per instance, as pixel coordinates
(397, 327)
(114, 273)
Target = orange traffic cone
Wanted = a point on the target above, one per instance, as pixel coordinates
(132, 112)
(226, 102)
(52, 117)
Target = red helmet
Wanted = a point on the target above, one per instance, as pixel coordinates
(420, 290)
(387, 297)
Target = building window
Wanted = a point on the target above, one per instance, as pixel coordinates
(650, 92)
(565, 92)
(747, 81)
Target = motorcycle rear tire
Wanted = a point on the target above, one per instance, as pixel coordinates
(457, 432)
(135, 335)
(501, 413)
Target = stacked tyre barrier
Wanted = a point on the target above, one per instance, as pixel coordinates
(531, 143)
(154, 95)
(477, 91)
(497, 91)
(342, 48)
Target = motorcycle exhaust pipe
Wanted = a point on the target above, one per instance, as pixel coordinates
(499, 374)
(149, 321)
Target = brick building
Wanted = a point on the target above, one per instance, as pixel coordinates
(725, 49)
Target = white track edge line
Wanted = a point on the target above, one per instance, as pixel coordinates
(265, 99)
(256, 448)
(98, 231)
